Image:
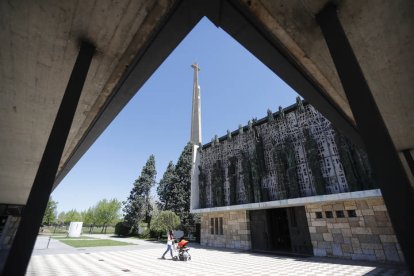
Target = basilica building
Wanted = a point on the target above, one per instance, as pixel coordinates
(288, 183)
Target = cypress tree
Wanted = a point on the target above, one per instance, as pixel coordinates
(166, 187)
(182, 190)
(137, 208)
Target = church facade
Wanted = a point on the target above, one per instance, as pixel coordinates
(289, 183)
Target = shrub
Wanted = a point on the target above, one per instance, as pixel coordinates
(164, 221)
(121, 229)
(145, 234)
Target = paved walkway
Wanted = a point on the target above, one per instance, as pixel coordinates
(144, 259)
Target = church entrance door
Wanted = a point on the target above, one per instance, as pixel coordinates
(283, 230)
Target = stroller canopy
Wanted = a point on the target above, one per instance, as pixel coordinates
(182, 243)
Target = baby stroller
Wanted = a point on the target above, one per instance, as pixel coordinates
(182, 249)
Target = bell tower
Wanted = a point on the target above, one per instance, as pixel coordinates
(195, 139)
(196, 111)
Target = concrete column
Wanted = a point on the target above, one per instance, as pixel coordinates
(25, 238)
(391, 176)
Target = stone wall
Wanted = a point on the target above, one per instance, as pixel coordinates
(367, 236)
(236, 230)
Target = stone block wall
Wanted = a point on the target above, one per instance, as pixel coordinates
(236, 230)
(367, 236)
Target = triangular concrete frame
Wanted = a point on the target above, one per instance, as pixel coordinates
(236, 20)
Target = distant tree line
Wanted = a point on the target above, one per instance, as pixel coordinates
(103, 214)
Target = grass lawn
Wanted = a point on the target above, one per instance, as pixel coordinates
(139, 238)
(60, 237)
(92, 243)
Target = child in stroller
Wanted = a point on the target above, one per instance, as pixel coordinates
(182, 249)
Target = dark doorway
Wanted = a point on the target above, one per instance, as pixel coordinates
(198, 231)
(259, 230)
(299, 231)
(278, 227)
(282, 230)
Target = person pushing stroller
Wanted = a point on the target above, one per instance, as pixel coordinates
(170, 241)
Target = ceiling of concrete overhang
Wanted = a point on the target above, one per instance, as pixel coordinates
(381, 35)
(40, 44)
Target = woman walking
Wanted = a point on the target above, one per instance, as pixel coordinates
(170, 240)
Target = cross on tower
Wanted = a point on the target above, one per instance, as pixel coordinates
(195, 66)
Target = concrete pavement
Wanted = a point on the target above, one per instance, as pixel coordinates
(144, 259)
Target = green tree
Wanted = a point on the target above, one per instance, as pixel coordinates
(182, 190)
(72, 215)
(107, 212)
(49, 216)
(121, 229)
(165, 189)
(163, 221)
(90, 218)
(61, 218)
(138, 207)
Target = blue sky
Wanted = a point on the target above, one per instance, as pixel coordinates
(235, 87)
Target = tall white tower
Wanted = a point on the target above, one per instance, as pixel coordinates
(196, 111)
(195, 139)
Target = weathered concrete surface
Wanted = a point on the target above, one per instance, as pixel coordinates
(39, 46)
(381, 35)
